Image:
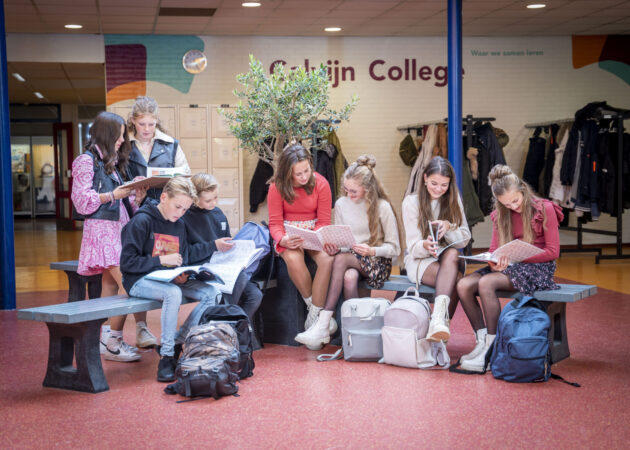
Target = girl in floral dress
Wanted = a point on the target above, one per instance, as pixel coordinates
(100, 198)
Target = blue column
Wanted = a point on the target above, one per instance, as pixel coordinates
(455, 151)
(7, 247)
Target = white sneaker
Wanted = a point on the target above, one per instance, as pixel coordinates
(144, 337)
(118, 350)
(480, 337)
(439, 326)
(311, 317)
(332, 326)
(478, 363)
(105, 331)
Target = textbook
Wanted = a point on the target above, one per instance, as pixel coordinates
(229, 264)
(157, 177)
(339, 235)
(516, 251)
(433, 231)
(202, 273)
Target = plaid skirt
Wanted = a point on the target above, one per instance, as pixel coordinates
(376, 268)
(529, 277)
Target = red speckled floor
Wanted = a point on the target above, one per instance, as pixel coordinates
(293, 401)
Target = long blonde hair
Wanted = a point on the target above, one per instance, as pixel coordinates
(362, 171)
(503, 180)
(144, 106)
(449, 201)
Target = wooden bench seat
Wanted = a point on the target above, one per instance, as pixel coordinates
(555, 301)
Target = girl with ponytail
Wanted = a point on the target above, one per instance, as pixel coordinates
(518, 214)
(366, 208)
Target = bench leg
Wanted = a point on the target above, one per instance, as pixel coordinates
(78, 342)
(558, 331)
(94, 285)
(76, 286)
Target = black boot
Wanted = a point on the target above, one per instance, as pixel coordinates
(166, 369)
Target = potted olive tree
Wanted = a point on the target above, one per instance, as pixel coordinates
(289, 105)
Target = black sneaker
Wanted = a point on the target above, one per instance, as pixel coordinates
(166, 369)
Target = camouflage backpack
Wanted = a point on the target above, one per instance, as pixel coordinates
(209, 362)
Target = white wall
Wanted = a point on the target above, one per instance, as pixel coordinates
(539, 84)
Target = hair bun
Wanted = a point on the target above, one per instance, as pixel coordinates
(499, 171)
(367, 160)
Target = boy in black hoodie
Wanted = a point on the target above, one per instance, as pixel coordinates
(155, 239)
(208, 230)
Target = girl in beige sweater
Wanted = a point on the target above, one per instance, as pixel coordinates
(366, 208)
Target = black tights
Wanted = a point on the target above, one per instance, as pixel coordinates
(340, 280)
(486, 287)
(443, 275)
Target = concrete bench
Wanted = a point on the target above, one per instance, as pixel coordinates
(555, 300)
(74, 330)
(77, 283)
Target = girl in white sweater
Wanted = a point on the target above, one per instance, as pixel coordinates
(367, 209)
(437, 202)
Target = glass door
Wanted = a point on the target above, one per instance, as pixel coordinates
(43, 157)
(21, 169)
(63, 154)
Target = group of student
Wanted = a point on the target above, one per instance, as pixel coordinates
(128, 234)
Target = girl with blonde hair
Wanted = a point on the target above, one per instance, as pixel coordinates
(368, 210)
(518, 214)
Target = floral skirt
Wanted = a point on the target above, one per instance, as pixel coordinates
(529, 277)
(376, 268)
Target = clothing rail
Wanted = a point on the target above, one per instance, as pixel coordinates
(547, 123)
(469, 120)
(418, 125)
(619, 116)
(315, 140)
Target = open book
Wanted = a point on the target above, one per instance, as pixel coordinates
(339, 235)
(157, 177)
(229, 264)
(516, 251)
(433, 231)
(202, 273)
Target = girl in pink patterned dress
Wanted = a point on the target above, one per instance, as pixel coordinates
(105, 204)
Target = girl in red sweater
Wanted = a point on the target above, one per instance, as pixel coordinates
(301, 197)
(518, 214)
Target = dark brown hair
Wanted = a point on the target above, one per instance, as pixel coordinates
(104, 133)
(284, 171)
(449, 201)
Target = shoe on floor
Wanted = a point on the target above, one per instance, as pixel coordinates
(332, 329)
(166, 369)
(478, 363)
(480, 337)
(105, 332)
(118, 350)
(144, 337)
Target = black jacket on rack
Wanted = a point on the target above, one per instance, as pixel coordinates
(490, 154)
(259, 187)
(325, 165)
(535, 161)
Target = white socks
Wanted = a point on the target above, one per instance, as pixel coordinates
(308, 300)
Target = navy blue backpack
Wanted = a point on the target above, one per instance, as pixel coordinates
(521, 353)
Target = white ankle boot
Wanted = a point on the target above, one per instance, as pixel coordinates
(311, 317)
(439, 325)
(318, 334)
(478, 363)
(480, 337)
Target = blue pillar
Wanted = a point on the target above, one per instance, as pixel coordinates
(7, 247)
(455, 151)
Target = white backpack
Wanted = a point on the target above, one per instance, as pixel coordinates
(406, 323)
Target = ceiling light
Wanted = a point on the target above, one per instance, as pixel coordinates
(73, 26)
(536, 6)
(251, 4)
(18, 77)
(38, 94)
(332, 29)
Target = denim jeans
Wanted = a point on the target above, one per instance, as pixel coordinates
(246, 295)
(170, 295)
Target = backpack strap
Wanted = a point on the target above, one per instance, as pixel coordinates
(558, 377)
(330, 356)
